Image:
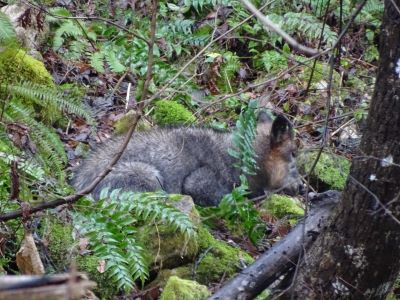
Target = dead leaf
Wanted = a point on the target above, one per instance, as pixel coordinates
(28, 259)
(83, 245)
(101, 267)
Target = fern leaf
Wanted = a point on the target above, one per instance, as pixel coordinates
(66, 29)
(97, 61)
(7, 32)
(47, 96)
(114, 62)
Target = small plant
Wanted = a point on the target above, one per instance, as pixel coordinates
(172, 113)
(110, 224)
(234, 207)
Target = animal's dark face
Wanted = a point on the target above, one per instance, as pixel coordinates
(279, 161)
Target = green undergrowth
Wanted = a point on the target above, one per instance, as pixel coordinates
(330, 172)
(172, 113)
(183, 289)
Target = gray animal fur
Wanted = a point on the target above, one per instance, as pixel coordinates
(191, 161)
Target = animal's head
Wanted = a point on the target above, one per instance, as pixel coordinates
(278, 161)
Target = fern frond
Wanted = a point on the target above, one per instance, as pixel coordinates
(114, 62)
(185, 26)
(57, 11)
(50, 146)
(243, 138)
(201, 4)
(7, 32)
(152, 207)
(306, 25)
(67, 29)
(97, 61)
(47, 96)
(110, 226)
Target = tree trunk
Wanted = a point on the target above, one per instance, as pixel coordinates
(358, 257)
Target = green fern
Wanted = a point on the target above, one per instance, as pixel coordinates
(110, 224)
(97, 61)
(305, 24)
(370, 14)
(199, 5)
(48, 98)
(7, 33)
(27, 99)
(51, 150)
(242, 140)
(234, 207)
(271, 61)
(67, 29)
(114, 62)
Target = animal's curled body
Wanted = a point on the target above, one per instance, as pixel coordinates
(194, 161)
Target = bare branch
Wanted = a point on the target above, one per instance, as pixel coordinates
(272, 26)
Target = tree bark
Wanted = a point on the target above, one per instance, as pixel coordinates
(358, 257)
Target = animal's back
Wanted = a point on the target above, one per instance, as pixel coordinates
(190, 161)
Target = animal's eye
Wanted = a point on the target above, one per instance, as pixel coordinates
(294, 154)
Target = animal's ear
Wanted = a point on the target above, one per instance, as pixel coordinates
(281, 131)
(263, 117)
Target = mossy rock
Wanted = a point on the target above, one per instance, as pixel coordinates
(216, 259)
(16, 65)
(281, 206)
(183, 289)
(122, 125)
(172, 113)
(167, 248)
(330, 172)
(184, 272)
(220, 259)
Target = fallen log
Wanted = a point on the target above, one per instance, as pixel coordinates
(283, 256)
(48, 287)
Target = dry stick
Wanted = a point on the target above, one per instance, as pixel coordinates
(96, 181)
(272, 26)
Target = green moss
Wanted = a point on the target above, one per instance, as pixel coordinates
(122, 125)
(165, 247)
(284, 206)
(184, 272)
(182, 289)
(172, 113)
(61, 244)
(89, 264)
(331, 170)
(16, 65)
(220, 259)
